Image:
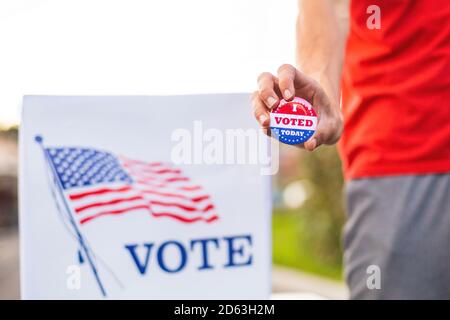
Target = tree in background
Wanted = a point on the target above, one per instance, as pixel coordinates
(309, 237)
(323, 211)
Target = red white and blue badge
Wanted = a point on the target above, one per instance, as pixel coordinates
(293, 122)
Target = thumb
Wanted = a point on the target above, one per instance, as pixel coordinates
(311, 144)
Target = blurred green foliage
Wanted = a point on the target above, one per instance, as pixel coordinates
(291, 249)
(309, 238)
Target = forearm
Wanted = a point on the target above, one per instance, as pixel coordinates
(321, 37)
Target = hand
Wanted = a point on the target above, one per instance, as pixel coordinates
(289, 83)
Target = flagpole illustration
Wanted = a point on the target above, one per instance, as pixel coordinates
(81, 241)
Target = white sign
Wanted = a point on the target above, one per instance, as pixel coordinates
(143, 197)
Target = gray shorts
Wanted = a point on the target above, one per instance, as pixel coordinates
(397, 237)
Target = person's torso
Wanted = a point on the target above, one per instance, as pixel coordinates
(396, 89)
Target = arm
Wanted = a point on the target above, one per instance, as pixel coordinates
(321, 38)
(322, 27)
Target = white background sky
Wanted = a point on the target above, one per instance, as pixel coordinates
(102, 47)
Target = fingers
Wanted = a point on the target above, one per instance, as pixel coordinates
(293, 82)
(329, 130)
(311, 144)
(290, 80)
(320, 136)
(286, 78)
(266, 86)
(260, 110)
(290, 83)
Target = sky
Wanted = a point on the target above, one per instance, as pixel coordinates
(137, 47)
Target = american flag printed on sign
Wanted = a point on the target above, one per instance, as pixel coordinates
(98, 184)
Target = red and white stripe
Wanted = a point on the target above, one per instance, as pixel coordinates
(159, 189)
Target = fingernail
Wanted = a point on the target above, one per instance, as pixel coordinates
(287, 94)
(271, 101)
(262, 119)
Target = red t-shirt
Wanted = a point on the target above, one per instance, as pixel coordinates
(396, 90)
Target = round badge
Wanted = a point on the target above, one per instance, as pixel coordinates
(293, 122)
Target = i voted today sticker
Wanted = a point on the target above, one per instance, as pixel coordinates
(293, 122)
